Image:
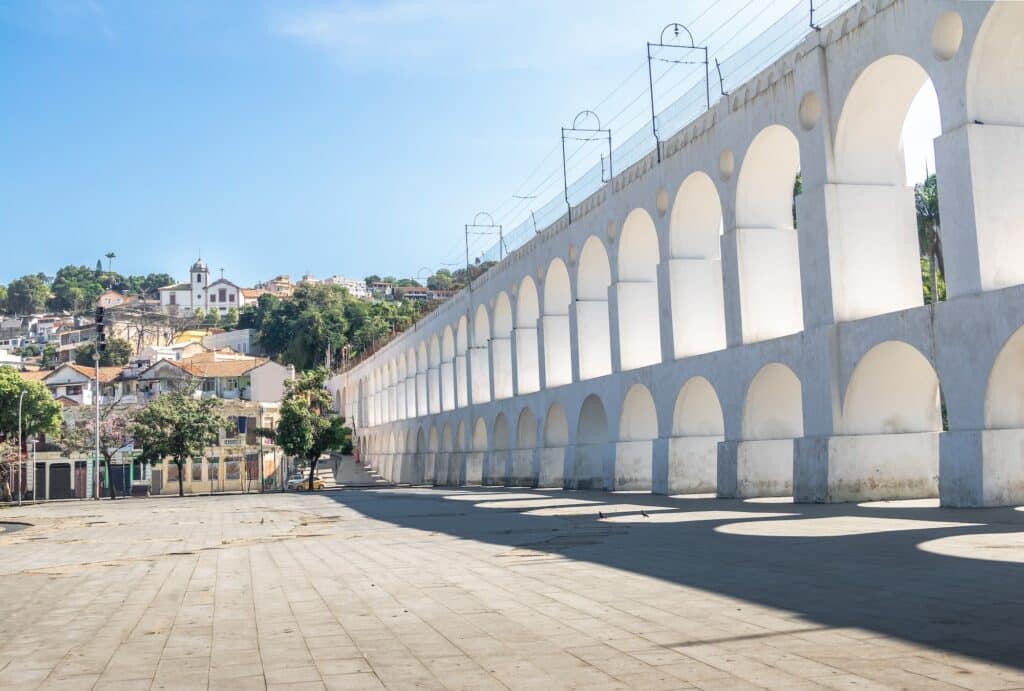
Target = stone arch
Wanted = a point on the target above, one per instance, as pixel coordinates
(527, 359)
(892, 390)
(461, 350)
(638, 428)
(432, 439)
(498, 459)
(697, 427)
(480, 435)
(526, 430)
(400, 380)
(876, 256)
(460, 436)
(995, 83)
(773, 408)
(551, 458)
(447, 369)
(697, 412)
(892, 418)
(556, 426)
(434, 376)
(501, 347)
(766, 241)
(637, 292)
(421, 379)
(479, 357)
(411, 442)
(421, 440)
(447, 440)
(410, 384)
(772, 419)
(557, 347)
(639, 418)
(591, 445)
(593, 330)
(695, 268)
(1004, 394)
(994, 142)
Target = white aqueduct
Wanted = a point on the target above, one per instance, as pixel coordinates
(682, 334)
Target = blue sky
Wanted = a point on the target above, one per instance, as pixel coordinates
(284, 137)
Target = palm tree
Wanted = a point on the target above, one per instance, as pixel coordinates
(926, 199)
(110, 261)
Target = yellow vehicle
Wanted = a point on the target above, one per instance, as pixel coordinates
(302, 483)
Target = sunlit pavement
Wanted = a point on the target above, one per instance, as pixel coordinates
(494, 588)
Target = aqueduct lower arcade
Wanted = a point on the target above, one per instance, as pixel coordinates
(697, 328)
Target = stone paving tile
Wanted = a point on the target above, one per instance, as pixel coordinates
(405, 588)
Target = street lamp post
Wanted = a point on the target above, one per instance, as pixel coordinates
(21, 399)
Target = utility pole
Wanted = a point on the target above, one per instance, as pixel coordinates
(21, 466)
(101, 347)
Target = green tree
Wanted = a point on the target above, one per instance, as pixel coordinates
(308, 428)
(75, 289)
(40, 414)
(372, 278)
(27, 294)
(177, 426)
(303, 330)
(150, 285)
(49, 356)
(3, 299)
(230, 320)
(212, 317)
(118, 353)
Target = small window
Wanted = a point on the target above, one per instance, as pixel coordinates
(213, 297)
(223, 295)
(199, 278)
(174, 299)
(231, 298)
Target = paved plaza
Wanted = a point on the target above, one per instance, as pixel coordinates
(499, 588)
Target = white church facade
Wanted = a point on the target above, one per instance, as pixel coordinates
(199, 293)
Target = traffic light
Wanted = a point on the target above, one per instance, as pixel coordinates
(101, 335)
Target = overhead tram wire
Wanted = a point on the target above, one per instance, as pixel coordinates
(521, 200)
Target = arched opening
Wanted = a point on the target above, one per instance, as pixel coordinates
(984, 195)
(772, 419)
(402, 374)
(557, 299)
(478, 451)
(461, 348)
(592, 283)
(443, 464)
(527, 359)
(591, 445)
(480, 435)
(1002, 479)
(637, 292)
(766, 241)
(410, 384)
(695, 268)
(876, 255)
(522, 472)
(479, 359)
(1004, 395)
(392, 378)
(497, 468)
(501, 347)
(526, 430)
(891, 420)
(697, 427)
(638, 428)
(421, 379)
(433, 447)
(551, 463)
(447, 369)
(434, 377)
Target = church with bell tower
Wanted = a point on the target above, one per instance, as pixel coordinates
(199, 293)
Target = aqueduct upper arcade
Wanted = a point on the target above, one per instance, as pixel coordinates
(696, 328)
